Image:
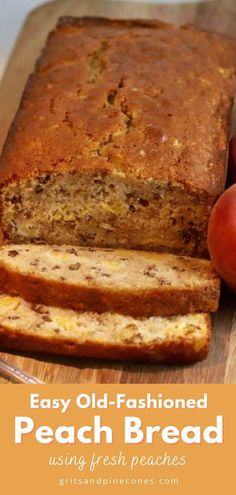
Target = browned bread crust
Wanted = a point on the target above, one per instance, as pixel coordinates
(178, 352)
(88, 289)
(137, 103)
(40, 151)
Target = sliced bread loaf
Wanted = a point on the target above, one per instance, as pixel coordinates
(30, 327)
(128, 282)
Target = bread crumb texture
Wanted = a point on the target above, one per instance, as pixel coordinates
(114, 269)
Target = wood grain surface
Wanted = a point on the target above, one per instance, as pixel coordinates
(220, 366)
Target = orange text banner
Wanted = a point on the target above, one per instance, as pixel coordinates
(103, 439)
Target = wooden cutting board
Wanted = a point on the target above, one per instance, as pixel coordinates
(220, 366)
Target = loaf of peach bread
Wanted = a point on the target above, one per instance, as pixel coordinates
(121, 137)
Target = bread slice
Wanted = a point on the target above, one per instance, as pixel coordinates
(128, 282)
(27, 327)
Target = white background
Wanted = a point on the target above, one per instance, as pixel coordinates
(12, 15)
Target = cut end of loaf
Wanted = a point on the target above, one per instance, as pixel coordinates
(118, 212)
